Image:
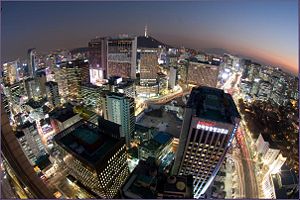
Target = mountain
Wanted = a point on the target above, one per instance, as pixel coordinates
(149, 42)
(216, 51)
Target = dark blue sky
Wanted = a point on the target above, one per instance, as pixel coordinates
(264, 29)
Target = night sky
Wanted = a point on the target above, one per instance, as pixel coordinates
(264, 29)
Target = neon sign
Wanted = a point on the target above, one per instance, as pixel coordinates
(206, 123)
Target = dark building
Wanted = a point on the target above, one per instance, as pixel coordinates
(95, 158)
(145, 182)
(52, 93)
(210, 122)
(110, 127)
(98, 54)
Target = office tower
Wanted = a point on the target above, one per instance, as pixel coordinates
(172, 77)
(98, 55)
(210, 122)
(30, 141)
(52, 93)
(69, 76)
(40, 79)
(103, 104)
(120, 110)
(121, 57)
(202, 74)
(148, 66)
(10, 72)
(96, 160)
(32, 65)
(97, 76)
(112, 128)
(31, 88)
(91, 95)
(121, 85)
(17, 164)
(5, 103)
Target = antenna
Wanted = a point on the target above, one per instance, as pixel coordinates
(146, 30)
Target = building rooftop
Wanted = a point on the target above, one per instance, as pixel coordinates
(87, 142)
(162, 137)
(147, 183)
(36, 104)
(213, 104)
(73, 63)
(43, 162)
(62, 113)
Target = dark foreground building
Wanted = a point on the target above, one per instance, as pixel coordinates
(96, 159)
(210, 122)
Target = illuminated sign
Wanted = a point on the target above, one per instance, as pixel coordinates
(210, 126)
(206, 123)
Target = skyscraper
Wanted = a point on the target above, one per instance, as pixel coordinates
(200, 74)
(121, 57)
(148, 66)
(98, 54)
(52, 93)
(96, 159)
(120, 110)
(40, 79)
(32, 61)
(30, 142)
(210, 122)
(69, 76)
(31, 89)
(10, 72)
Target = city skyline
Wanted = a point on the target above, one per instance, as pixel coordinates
(269, 36)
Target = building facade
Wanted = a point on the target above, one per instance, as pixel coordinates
(121, 57)
(96, 160)
(120, 110)
(210, 122)
(52, 93)
(200, 74)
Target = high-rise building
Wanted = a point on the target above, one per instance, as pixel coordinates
(120, 110)
(31, 88)
(70, 75)
(96, 160)
(121, 57)
(10, 72)
(202, 74)
(32, 65)
(40, 79)
(148, 66)
(120, 85)
(210, 122)
(52, 93)
(30, 141)
(172, 77)
(91, 95)
(98, 55)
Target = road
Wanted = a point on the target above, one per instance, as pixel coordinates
(166, 98)
(250, 185)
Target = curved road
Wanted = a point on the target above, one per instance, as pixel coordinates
(250, 183)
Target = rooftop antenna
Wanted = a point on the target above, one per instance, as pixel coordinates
(146, 30)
